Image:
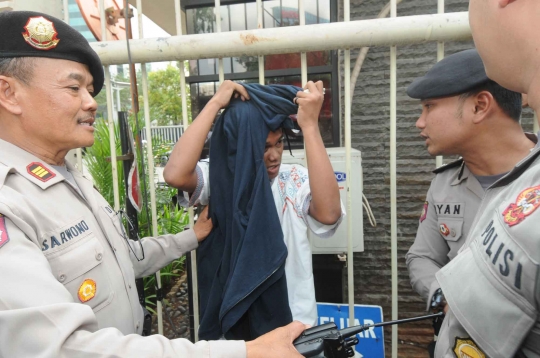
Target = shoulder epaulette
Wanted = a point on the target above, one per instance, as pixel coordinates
(442, 168)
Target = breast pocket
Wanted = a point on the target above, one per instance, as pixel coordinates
(450, 228)
(80, 268)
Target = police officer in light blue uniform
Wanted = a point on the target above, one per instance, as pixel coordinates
(67, 271)
(466, 114)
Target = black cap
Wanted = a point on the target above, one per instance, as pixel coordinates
(33, 34)
(453, 75)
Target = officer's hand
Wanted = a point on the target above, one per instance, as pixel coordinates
(203, 226)
(226, 91)
(277, 343)
(309, 105)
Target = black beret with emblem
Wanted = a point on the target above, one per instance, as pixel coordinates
(33, 34)
(453, 75)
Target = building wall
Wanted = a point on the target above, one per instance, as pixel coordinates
(371, 135)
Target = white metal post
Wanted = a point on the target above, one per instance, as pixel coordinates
(217, 11)
(78, 151)
(110, 119)
(440, 56)
(185, 124)
(150, 159)
(260, 26)
(393, 187)
(303, 58)
(348, 134)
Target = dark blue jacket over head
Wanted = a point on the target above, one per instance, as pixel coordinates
(241, 265)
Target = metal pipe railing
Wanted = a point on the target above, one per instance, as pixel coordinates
(440, 56)
(303, 58)
(110, 120)
(393, 185)
(150, 159)
(217, 12)
(291, 39)
(260, 26)
(377, 32)
(193, 254)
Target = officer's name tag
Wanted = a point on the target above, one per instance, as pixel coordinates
(63, 236)
(505, 258)
(455, 210)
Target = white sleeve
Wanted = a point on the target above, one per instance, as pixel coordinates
(160, 251)
(303, 200)
(39, 317)
(201, 194)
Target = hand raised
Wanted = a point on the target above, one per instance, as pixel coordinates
(227, 90)
(310, 104)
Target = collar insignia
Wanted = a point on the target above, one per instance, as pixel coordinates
(4, 238)
(466, 348)
(526, 203)
(444, 229)
(87, 290)
(40, 33)
(424, 211)
(38, 171)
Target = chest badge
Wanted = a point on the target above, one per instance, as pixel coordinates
(4, 238)
(38, 171)
(87, 290)
(40, 33)
(526, 203)
(444, 229)
(424, 211)
(466, 348)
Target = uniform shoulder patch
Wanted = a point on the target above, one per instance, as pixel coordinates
(466, 348)
(442, 168)
(39, 171)
(4, 238)
(526, 203)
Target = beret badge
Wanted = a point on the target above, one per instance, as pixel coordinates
(40, 33)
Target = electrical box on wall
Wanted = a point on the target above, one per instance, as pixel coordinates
(337, 244)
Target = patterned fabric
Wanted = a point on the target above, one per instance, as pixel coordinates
(289, 184)
(198, 189)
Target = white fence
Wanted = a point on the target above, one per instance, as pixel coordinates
(166, 134)
(330, 36)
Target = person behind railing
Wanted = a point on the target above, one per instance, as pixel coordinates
(304, 199)
(68, 272)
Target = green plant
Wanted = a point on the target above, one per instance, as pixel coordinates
(170, 218)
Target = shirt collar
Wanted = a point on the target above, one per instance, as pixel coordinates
(28, 165)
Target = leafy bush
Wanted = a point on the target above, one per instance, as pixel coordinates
(170, 218)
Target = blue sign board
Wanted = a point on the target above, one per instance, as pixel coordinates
(370, 342)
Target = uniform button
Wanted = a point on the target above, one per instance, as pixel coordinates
(137, 327)
(453, 232)
(99, 256)
(62, 278)
(129, 286)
